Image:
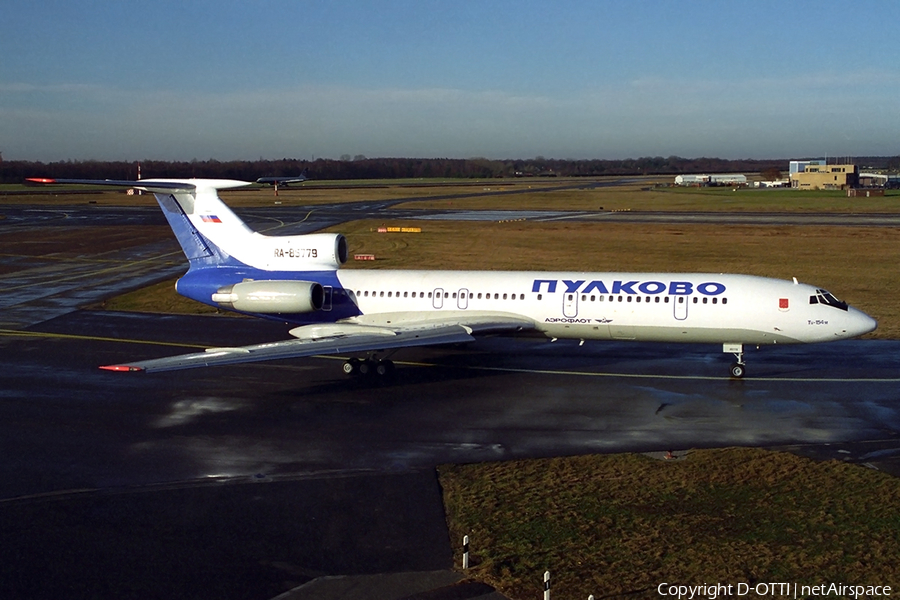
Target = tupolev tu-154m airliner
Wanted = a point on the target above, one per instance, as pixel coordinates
(297, 279)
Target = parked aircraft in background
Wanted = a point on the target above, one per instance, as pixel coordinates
(297, 279)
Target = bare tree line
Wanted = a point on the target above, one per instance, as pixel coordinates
(360, 167)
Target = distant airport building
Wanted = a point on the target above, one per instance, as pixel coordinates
(700, 180)
(871, 180)
(819, 176)
(691, 179)
(728, 179)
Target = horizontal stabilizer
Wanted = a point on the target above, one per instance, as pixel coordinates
(150, 185)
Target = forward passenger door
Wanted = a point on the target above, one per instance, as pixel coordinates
(570, 304)
(681, 307)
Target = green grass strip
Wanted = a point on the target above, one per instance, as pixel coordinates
(617, 525)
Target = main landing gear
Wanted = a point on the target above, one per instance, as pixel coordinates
(368, 366)
(738, 368)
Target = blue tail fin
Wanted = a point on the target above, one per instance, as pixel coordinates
(196, 248)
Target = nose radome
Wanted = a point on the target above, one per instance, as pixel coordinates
(860, 323)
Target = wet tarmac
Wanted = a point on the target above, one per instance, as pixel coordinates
(242, 482)
(496, 399)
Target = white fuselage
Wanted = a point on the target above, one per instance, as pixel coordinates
(666, 307)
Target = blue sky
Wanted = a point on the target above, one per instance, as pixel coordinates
(229, 79)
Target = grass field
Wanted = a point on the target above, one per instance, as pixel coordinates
(645, 197)
(619, 525)
(509, 194)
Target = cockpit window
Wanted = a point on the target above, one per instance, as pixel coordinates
(826, 297)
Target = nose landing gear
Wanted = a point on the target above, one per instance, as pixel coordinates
(738, 368)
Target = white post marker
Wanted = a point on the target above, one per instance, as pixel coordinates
(465, 552)
(546, 585)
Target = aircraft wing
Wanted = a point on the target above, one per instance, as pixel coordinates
(330, 338)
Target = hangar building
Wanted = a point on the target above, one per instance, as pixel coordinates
(702, 180)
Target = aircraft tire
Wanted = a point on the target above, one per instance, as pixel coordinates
(351, 367)
(384, 367)
(737, 370)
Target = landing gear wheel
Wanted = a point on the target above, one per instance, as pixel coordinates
(351, 367)
(369, 366)
(737, 370)
(366, 367)
(384, 367)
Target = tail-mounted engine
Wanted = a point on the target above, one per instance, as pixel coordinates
(316, 251)
(271, 297)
